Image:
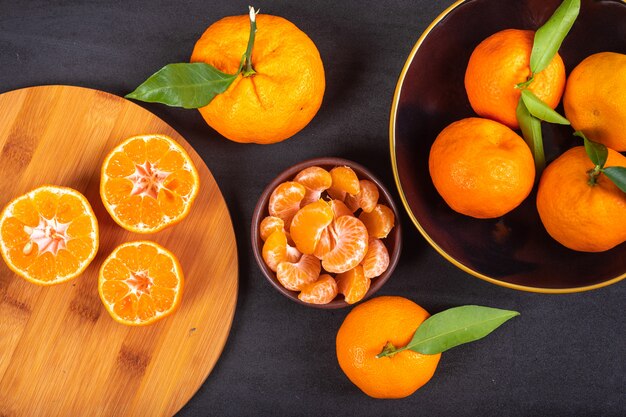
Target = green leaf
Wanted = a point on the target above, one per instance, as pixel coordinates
(597, 152)
(457, 326)
(617, 175)
(541, 110)
(549, 37)
(531, 130)
(184, 85)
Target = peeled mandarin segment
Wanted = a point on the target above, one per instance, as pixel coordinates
(180, 182)
(353, 284)
(13, 234)
(325, 244)
(66, 263)
(276, 250)
(114, 291)
(379, 221)
(135, 149)
(315, 180)
(140, 282)
(367, 196)
(269, 225)
(352, 202)
(285, 201)
(24, 210)
(294, 276)
(120, 166)
(340, 209)
(308, 224)
(376, 259)
(156, 148)
(46, 202)
(323, 291)
(344, 179)
(350, 237)
(117, 190)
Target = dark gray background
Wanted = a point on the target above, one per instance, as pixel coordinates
(565, 355)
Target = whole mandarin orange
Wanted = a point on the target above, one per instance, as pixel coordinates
(580, 214)
(481, 168)
(364, 333)
(498, 64)
(595, 99)
(282, 96)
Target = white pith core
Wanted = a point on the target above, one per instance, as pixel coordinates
(147, 180)
(49, 235)
(139, 283)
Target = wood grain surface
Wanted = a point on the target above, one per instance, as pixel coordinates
(60, 352)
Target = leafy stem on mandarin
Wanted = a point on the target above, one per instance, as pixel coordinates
(452, 327)
(531, 110)
(194, 85)
(247, 58)
(598, 154)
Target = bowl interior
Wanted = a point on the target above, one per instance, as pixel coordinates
(514, 250)
(393, 241)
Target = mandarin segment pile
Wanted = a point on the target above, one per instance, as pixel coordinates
(49, 235)
(322, 223)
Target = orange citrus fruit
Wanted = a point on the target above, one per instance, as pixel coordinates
(344, 181)
(580, 215)
(148, 183)
(295, 275)
(353, 284)
(281, 97)
(481, 168)
(322, 291)
(339, 209)
(316, 180)
(276, 249)
(269, 225)
(349, 236)
(140, 283)
(308, 223)
(364, 333)
(498, 64)
(595, 99)
(48, 235)
(366, 198)
(325, 244)
(376, 259)
(379, 221)
(285, 201)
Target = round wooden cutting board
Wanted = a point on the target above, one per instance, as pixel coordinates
(61, 354)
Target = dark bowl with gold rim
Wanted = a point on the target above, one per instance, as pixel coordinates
(514, 251)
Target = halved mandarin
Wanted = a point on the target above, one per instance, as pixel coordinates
(353, 284)
(376, 259)
(48, 235)
(308, 223)
(294, 276)
(379, 221)
(316, 180)
(366, 199)
(340, 209)
(285, 201)
(344, 181)
(350, 237)
(269, 225)
(276, 249)
(148, 183)
(322, 291)
(140, 283)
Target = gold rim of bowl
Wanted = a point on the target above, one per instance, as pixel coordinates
(392, 145)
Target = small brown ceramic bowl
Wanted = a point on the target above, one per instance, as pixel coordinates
(514, 251)
(393, 241)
